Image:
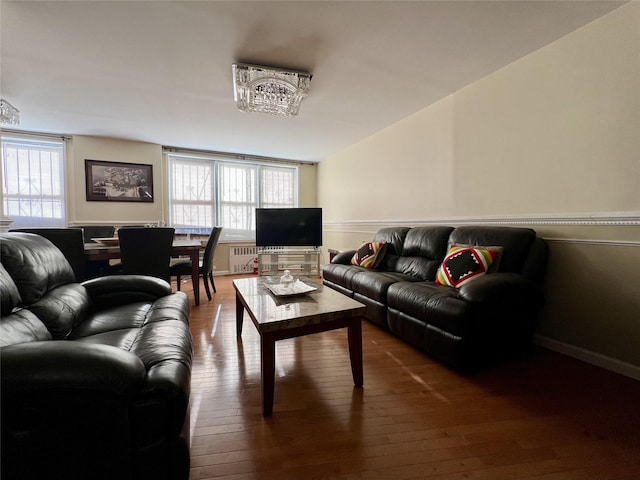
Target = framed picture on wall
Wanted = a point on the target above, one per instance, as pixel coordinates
(118, 182)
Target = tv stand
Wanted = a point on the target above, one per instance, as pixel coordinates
(302, 260)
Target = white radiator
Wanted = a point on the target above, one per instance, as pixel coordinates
(241, 258)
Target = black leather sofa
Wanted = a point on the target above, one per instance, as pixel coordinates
(488, 319)
(95, 375)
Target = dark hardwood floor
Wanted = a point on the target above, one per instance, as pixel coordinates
(544, 416)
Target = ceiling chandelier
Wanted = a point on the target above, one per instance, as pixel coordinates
(269, 90)
(8, 113)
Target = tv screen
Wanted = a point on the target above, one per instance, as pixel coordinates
(288, 227)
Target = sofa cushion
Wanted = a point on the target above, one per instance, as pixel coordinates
(22, 326)
(394, 236)
(118, 326)
(464, 264)
(35, 265)
(118, 318)
(374, 284)
(341, 274)
(164, 342)
(45, 282)
(516, 242)
(62, 309)
(433, 304)
(8, 292)
(422, 251)
(123, 338)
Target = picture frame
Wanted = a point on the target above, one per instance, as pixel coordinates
(118, 181)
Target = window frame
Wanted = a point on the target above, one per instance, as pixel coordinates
(217, 163)
(36, 143)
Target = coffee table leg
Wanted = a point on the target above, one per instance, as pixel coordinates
(355, 351)
(267, 367)
(239, 316)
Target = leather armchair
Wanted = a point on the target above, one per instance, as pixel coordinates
(95, 376)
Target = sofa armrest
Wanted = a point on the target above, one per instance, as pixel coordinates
(501, 287)
(344, 257)
(116, 290)
(44, 369)
(68, 400)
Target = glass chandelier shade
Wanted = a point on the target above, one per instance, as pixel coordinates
(8, 113)
(269, 90)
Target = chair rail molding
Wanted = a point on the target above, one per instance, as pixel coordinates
(591, 219)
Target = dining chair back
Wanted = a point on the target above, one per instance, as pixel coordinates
(205, 268)
(146, 251)
(97, 231)
(97, 268)
(69, 241)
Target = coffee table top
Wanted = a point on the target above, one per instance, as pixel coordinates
(271, 313)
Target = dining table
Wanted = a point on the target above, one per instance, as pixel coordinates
(180, 248)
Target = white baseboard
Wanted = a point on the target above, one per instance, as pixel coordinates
(617, 366)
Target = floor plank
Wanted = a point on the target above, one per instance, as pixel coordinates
(544, 416)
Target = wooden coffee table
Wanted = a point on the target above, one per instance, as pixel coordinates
(280, 317)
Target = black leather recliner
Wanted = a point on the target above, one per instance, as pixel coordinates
(488, 319)
(95, 375)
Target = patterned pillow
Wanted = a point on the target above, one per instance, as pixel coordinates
(462, 264)
(496, 261)
(369, 254)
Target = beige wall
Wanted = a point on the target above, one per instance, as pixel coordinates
(551, 141)
(308, 185)
(81, 212)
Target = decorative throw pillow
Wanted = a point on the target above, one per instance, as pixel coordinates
(496, 261)
(463, 264)
(369, 254)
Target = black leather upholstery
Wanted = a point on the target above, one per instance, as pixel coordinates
(516, 242)
(146, 251)
(70, 242)
(491, 318)
(422, 251)
(95, 376)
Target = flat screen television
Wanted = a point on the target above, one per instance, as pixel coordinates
(288, 227)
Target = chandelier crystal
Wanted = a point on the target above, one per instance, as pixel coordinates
(269, 90)
(8, 113)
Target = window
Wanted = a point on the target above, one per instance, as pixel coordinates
(208, 191)
(33, 182)
(238, 198)
(191, 194)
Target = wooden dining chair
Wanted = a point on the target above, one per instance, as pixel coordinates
(146, 251)
(183, 266)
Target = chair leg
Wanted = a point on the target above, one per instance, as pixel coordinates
(213, 284)
(178, 282)
(206, 287)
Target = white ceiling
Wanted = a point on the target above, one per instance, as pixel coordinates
(160, 71)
